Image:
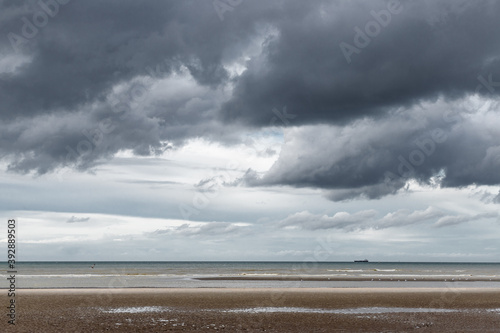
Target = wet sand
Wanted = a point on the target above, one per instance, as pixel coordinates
(256, 310)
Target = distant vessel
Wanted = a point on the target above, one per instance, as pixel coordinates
(364, 260)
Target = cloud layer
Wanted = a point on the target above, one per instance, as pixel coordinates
(422, 51)
(433, 143)
(376, 92)
(368, 219)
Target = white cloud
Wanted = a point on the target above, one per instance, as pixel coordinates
(208, 229)
(367, 219)
(341, 220)
(447, 221)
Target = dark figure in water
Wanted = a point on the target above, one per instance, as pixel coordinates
(92, 266)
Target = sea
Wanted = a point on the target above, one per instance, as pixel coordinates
(231, 274)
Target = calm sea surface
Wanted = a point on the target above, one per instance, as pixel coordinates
(255, 274)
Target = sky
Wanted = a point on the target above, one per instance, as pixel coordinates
(251, 130)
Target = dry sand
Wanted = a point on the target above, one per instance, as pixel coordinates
(206, 309)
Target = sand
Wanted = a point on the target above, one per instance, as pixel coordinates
(256, 310)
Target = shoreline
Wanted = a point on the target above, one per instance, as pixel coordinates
(257, 289)
(222, 283)
(349, 279)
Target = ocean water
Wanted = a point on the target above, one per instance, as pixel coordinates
(252, 274)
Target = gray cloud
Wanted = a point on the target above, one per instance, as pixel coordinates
(151, 182)
(426, 50)
(102, 77)
(101, 68)
(487, 196)
(405, 217)
(373, 158)
(454, 220)
(341, 220)
(368, 219)
(207, 229)
(89, 47)
(74, 219)
(497, 198)
(211, 184)
(95, 133)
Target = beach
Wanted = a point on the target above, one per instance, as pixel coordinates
(255, 297)
(257, 310)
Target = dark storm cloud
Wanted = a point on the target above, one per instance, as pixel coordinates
(99, 77)
(89, 46)
(397, 55)
(81, 89)
(374, 158)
